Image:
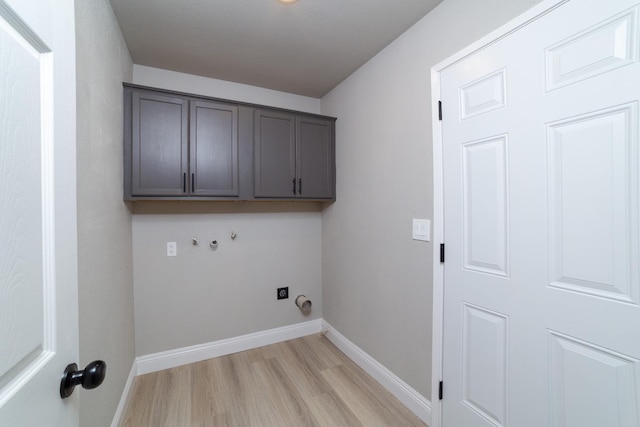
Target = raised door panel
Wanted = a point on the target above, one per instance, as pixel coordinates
(314, 158)
(274, 155)
(485, 205)
(159, 145)
(485, 364)
(590, 385)
(214, 149)
(593, 189)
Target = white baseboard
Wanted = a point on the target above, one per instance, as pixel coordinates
(182, 356)
(413, 400)
(124, 399)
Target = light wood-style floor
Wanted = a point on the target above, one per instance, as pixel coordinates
(297, 383)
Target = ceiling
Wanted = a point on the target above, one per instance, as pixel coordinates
(306, 47)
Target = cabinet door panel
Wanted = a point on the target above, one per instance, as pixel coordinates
(274, 154)
(159, 145)
(214, 149)
(314, 157)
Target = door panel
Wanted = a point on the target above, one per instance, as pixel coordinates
(22, 268)
(484, 363)
(606, 46)
(314, 157)
(38, 272)
(214, 149)
(578, 372)
(275, 154)
(160, 130)
(590, 157)
(541, 208)
(486, 196)
(486, 94)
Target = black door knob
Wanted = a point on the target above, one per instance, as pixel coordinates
(91, 377)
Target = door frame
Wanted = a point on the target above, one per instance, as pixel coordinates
(532, 14)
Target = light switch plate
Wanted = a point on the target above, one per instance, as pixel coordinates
(422, 229)
(172, 249)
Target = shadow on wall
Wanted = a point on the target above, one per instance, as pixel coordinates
(205, 207)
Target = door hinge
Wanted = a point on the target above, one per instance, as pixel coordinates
(441, 252)
(439, 110)
(440, 390)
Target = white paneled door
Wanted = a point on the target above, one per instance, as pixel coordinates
(542, 223)
(38, 272)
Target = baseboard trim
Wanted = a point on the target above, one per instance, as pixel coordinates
(124, 398)
(413, 400)
(185, 355)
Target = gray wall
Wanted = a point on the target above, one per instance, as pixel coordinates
(189, 83)
(377, 281)
(202, 296)
(105, 270)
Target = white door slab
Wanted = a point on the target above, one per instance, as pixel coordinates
(541, 158)
(38, 272)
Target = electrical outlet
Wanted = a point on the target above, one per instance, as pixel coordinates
(172, 249)
(283, 293)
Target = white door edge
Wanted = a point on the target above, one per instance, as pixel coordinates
(524, 19)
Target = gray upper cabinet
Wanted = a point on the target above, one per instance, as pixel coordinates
(293, 156)
(314, 157)
(275, 154)
(214, 149)
(179, 147)
(159, 145)
(187, 147)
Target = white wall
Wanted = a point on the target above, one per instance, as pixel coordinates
(202, 296)
(377, 288)
(105, 270)
(189, 83)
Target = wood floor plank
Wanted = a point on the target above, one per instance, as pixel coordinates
(298, 383)
(377, 395)
(320, 351)
(247, 405)
(301, 372)
(204, 404)
(172, 402)
(141, 401)
(361, 403)
(286, 405)
(330, 411)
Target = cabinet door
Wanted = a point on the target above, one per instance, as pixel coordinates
(314, 158)
(274, 154)
(213, 149)
(159, 145)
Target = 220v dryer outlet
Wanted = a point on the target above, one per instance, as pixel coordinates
(283, 293)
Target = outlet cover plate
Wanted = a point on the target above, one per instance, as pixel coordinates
(283, 293)
(172, 249)
(421, 229)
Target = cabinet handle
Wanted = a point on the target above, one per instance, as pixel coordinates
(300, 186)
(184, 182)
(294, 186)
(193, 182)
